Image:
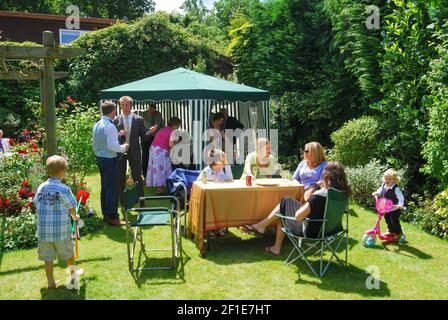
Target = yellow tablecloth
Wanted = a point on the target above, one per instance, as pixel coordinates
(232, 204)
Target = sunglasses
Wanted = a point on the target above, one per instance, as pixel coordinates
(306, 151)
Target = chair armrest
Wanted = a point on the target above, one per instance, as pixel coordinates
(285, 217)
(308, 219)
(172, 198)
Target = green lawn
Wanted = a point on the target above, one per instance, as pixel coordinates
(237, 268)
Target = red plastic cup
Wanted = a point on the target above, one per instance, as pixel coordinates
(249, 180)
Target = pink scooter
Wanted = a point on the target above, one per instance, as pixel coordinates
(383, 206)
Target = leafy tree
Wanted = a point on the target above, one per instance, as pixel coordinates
(90, 8)
(408, 51)
(435, 149)
(128, 52)
(226, 10)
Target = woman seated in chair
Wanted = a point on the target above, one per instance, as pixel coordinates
(309, 171)
(261, 163)
(333, 177)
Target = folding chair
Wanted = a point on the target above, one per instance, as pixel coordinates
(332, 232)
(151, 217)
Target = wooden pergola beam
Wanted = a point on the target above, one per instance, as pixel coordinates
(49, 53)
(23, 52)
(29, 76)
(4, 66)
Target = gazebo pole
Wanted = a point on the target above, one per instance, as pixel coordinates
(49, 96)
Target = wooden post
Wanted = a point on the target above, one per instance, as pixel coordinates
(49, 96)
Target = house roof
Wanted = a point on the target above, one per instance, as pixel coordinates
(183, 84)
(52, 17)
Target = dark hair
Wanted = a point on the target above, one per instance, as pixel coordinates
(335, 177)
(174, 121)
(152, 105)
(107, 107)
(218, 116)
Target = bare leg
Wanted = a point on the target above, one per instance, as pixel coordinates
(279, 237)
(270, 219)
(71, 261)
(49, 272)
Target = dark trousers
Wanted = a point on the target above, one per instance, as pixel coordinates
(145, 156)
(393, 221)
(136, 172)
(109, 196)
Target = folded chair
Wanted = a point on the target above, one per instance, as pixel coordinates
(331, 236)
(151, 217)
(179, 185)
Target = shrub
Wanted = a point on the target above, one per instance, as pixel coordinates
(355, 143)
(435, 149)
(75, 138)
(367, 179)
(10, 121)
(20, 175)
(430, 214)
(18, 232)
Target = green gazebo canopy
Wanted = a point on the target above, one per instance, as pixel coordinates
(183, 84)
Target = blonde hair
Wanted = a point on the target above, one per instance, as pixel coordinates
(317, 152)
(55, 165)
(393, 174)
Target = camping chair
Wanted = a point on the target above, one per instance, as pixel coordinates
(331, 232)
(179, 185)
(151, 217)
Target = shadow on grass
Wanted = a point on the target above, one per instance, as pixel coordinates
(352, 213)
(343, 279)
(62, 293)
(222, 249)
(41, 266)
(160, 277)
(405, 250)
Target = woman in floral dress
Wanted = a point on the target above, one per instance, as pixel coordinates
(159, 165)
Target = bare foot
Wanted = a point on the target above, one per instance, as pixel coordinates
(273, 251)
(52, 284)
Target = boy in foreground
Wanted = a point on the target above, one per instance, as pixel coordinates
(55, 204)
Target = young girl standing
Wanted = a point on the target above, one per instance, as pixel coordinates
(390, 190)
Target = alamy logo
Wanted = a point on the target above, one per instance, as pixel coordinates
(72, 22)
(373, 20)
(73, 276)
(373, 280)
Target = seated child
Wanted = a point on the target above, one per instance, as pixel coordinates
(218, 170)
(390, 190)
(55, 204)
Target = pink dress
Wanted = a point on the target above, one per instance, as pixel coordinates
(159, 164)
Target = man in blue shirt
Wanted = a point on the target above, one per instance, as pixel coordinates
(106, 146)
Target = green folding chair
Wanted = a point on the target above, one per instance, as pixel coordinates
(151, 217)
(331, 235)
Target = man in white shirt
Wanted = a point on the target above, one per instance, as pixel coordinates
(131, 130)
(106, 147)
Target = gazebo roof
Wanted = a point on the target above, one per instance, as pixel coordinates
(183, 84)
